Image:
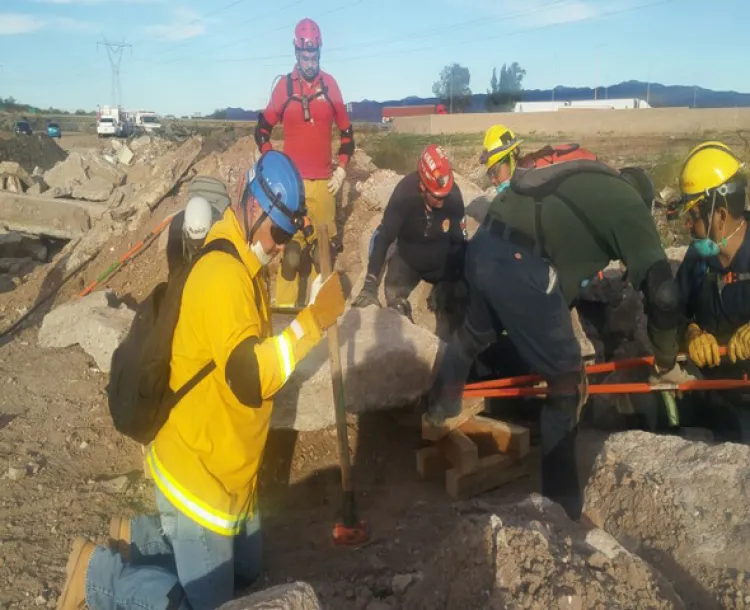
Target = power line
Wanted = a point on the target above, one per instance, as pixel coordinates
(255, 37)
(87, 70)
(253, 20)
(402, 38)
(482, 40)
(114, 52)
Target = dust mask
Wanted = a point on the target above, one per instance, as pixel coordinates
(260, 253)
(502, 187)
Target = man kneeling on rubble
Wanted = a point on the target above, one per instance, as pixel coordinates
(553, 225)
(425, 217)
(206, 457)
(714, 281)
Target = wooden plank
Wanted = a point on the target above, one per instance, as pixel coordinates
(469, 408)
(431, 463)
(495, 436)
(460, 451)
(493, 471)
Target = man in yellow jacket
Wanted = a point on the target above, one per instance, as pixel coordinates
(205, 459)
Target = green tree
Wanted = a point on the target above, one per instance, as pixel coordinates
(453, 88)
(506, 90)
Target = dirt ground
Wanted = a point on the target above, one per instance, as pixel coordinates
(65, 471)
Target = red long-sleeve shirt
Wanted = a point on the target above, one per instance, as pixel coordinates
(308, 143)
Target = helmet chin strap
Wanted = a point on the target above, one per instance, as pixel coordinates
(255, 246)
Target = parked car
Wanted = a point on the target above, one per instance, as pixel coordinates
(53, 130)
(22, 127)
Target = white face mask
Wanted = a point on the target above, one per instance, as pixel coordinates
(260, 253)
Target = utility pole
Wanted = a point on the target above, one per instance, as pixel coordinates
(114, 52)
(695, 94)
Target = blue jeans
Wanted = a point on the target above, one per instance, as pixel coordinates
(175, 563)
(513, 290)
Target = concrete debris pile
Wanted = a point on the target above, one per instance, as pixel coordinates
(131, 203)
(530, 556)
(683, 507)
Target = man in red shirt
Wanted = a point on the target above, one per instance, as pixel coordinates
(307, 102)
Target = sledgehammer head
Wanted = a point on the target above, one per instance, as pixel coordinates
(350, 531)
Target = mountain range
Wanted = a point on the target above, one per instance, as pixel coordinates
(658, 96)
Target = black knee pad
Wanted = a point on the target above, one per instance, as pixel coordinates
(291, 260)
(662, 295)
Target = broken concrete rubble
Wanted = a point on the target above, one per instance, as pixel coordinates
(41, 216)
(377, 189)
(683, 507)
(361, 162)
(90, 322)
(529, 555)
(67, 174)
(376, 344)
(293, 596)
(14, 170)
(97, 166)
(84, 176)
(166, 173)
(95, 189)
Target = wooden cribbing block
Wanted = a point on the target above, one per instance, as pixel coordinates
(494, 436)
(431, 463)
(492, 471)
(469, 408)
(460, 451)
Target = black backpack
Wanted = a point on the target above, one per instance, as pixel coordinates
(140, 398)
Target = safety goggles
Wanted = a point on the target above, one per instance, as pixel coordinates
(494, 171)
(689, 202)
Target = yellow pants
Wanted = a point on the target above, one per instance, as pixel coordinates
(321, 208)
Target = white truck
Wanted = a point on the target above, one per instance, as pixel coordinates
(148, 121)
(112, 121)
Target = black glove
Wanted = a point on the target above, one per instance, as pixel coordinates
(369, 293)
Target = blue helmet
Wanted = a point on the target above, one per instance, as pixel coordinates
(277, 186)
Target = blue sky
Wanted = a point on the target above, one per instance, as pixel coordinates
(198, 55)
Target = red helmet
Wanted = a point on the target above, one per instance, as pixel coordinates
(435, 171)
(307, 36)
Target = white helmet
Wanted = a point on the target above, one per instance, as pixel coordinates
(198, 218)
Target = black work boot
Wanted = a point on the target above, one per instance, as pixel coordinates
(559, 467)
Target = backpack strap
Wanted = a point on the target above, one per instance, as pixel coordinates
(289, 96)
(542, 181)
(227, 247)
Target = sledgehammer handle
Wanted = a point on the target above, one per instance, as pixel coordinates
(334, 354)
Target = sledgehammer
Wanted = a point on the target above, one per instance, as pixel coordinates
(350, 531)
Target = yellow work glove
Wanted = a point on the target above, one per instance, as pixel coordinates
(739, 344)
(703, 347)
(327, 302)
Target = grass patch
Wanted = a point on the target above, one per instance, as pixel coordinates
(399, 151)
(666, 170)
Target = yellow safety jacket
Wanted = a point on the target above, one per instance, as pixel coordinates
(206, 457)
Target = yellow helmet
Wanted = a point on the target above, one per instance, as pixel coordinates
(707, 167)
(499, 142)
